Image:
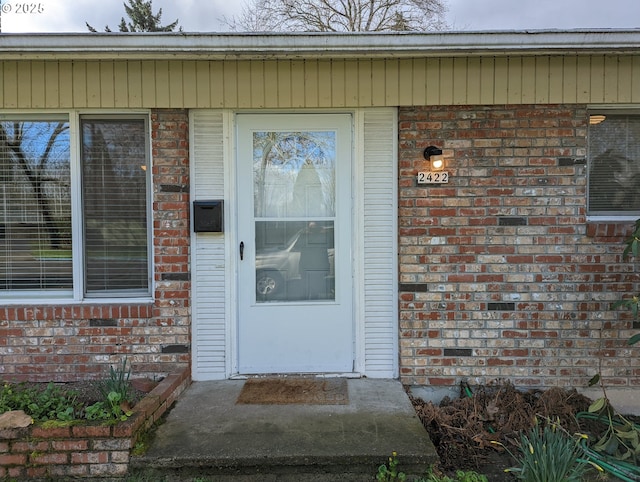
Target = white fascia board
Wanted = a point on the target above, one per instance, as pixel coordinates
(313, 45)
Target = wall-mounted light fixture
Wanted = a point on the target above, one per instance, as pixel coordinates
(596, 119)
(435, 157)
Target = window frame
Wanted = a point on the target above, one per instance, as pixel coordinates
(77, 294)
(619, 110)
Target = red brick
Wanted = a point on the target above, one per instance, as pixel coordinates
(37, 472)
(49, 459)
(91, 431)
(90, 458)
(438, 381)
(429, 352)
(50, 432)
(515, 352)
(13, 459)
(70, 445)
(544, 334)
(514, 334)
(492, 362)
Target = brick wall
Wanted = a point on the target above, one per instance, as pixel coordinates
(500, 274)
(69, 342)
(87, 450)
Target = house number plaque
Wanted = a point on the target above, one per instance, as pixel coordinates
(433, 177)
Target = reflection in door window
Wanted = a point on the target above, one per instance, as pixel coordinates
(294, 174)
(294, 260)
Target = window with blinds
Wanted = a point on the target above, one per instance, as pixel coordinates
(114, 202)
(35, 205)
(614, 164)
(68, 182)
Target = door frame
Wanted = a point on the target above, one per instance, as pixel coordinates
(326, 353)
(232, 234)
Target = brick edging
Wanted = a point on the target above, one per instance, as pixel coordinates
(88, 450)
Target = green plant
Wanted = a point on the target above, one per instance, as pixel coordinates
(550, 454)
(631, 302)
(97, 411)
(109, 409)
(118, 382)
(389, 472)
(461, 476)
(621, 439)
(116, 393)
(52, 403)
(469, 476)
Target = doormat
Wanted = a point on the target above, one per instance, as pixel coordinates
(283, 391)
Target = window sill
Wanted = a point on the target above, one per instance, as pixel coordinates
(40, 301)
(41, 310)
(609, 230)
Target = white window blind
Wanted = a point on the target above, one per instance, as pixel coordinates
(114, 199)
(614, 164)
(35, 205)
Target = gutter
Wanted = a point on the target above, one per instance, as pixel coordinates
(221, 46)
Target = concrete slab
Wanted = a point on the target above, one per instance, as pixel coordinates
(207, 433)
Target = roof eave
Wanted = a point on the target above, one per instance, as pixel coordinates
(314, 45)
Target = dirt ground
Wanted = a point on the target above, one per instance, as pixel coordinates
(464, 428)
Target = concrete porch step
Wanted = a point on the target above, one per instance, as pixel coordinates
(208, 436)
(311, 470)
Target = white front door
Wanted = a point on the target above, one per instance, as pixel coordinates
(295, 286)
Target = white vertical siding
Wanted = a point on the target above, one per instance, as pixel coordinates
(379, 266)
(208, 250)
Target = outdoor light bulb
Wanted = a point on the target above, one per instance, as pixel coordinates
(437, 163)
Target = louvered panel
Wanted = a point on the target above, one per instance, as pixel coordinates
(209, 151)
(208, 250)
(380, 286)
(209, 326)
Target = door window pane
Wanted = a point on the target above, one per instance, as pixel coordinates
(114, 194)
(294, 210)
(35, 205)
(295, 260)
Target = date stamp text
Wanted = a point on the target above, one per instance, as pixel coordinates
(20, 8)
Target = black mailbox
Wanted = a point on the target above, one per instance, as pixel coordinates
(208, 216)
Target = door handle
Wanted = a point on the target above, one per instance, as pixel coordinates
(241, 250)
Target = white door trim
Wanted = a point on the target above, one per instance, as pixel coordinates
(376, 331)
